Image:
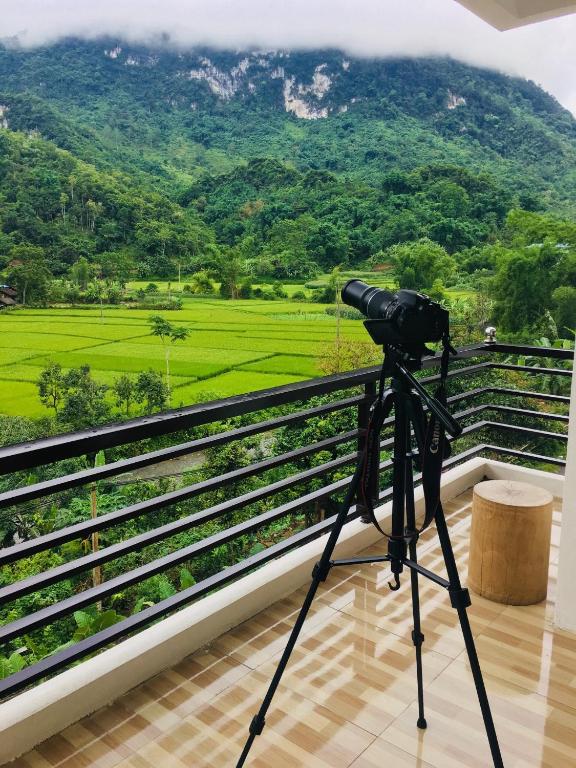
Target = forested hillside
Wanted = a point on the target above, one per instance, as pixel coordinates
(65, 209)
(171, 115)
(299, 221)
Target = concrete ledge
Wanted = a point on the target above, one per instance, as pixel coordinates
(500, 470)
(34, 715)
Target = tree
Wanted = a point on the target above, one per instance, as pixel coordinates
(328, 245)
(168, 334)
(245, 290)
(522, 287)
(418, 264)
(125, 392)
(51, 386)
(151, 391)
(564, 299)
(80, 273)
(117, 265)
(229, 271)
(201, 283)
(29, 274)
(84, 403)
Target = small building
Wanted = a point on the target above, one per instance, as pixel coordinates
(8, 296)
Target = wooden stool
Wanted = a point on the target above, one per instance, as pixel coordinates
(510, 542)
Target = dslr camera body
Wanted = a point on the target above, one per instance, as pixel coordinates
(402, 319)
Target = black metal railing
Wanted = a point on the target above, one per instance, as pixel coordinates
(492, 426)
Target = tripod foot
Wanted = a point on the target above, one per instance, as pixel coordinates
(422, 724)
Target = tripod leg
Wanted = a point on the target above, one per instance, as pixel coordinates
(460, 600)
(319, 574)
(417, 639)
(417, 636)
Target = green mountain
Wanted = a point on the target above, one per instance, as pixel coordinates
(172, 115)
(289, 162)
(69, 209)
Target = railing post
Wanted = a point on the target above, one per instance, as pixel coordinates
(363, 419)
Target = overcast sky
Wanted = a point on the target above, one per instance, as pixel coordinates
(545, 53)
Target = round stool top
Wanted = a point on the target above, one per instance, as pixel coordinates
(512, 493)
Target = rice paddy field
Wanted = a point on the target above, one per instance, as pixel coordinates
(233, 347)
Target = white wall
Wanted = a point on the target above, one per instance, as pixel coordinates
(566, 599)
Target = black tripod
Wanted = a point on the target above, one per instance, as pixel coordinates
(406, 397)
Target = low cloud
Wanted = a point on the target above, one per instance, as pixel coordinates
(544, 53)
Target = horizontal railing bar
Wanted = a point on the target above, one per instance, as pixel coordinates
(526, 455)
(564, 399)
(529, 394)
(457, 372)
(51, 449)
(529, 431)
(512, 411)
(522, 349)
(83, 529)
(38, 490)
(531, 369)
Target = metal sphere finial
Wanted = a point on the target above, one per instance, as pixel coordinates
(490, 332)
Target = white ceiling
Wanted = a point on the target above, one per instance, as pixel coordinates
(507, 14)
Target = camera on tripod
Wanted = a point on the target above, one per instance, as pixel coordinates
(403, 323)
(405, 318)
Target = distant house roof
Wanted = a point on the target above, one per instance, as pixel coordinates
(6, 301)
(7, 290)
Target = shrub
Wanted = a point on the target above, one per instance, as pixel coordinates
(245, 291)
(201, 283)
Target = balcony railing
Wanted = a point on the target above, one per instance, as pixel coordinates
(496, 415)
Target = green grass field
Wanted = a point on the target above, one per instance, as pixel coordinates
(233, 347)
(380, 279)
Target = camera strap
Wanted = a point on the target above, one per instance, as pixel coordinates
(434, 449)
(379, 411)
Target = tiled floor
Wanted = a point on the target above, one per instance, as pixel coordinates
(348, 696)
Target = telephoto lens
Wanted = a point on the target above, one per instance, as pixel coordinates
(370, 301)
(404, 317)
